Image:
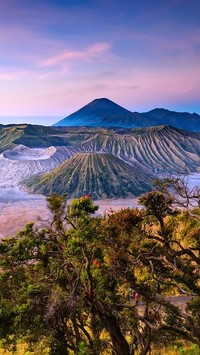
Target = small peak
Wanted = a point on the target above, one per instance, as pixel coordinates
(101, 101)
(159, 109)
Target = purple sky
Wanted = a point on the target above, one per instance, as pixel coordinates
(57, 56)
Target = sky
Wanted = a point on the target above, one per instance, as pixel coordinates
(56, 56)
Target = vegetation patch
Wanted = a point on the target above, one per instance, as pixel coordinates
(125, 283)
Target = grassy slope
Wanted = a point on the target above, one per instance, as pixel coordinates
(8, 136)
(101, 175)
(157, 148)
(35, 136)
(162, 148)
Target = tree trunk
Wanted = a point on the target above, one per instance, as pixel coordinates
(119, 342)
(59, 345)
(162, 226)
(147, 347)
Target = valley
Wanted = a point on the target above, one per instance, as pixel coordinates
(115, 165)
(17, 207)
(38, 149)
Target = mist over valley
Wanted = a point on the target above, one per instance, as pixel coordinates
(114, 165)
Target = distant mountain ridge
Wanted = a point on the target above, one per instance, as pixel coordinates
(183, 120)
(105, 113)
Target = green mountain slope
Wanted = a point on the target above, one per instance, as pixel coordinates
(161, 149)
(34, 136)
(8, 135)
(98, 174)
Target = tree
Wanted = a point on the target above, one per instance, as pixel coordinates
(68, 284)
(156, 265)
(184, 197)
(52, 289)
(41, 296)
(157, 204)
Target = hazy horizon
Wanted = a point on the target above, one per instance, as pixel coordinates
(48, 120)
(38, 120)
(58, 55)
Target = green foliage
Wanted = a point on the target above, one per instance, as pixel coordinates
(82, 207)
(157, 204)
(68, 285)
(191, 350)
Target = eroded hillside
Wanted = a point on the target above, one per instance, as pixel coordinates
(31, 150)
(98, 174)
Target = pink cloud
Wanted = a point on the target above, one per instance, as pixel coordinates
(96, 50)
(25, 47)
(10, 74)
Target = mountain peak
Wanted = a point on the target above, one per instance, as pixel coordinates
(102, 100)
(102, 112)
(103, 104)
(99, 112)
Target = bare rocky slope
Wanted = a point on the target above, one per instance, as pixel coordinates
(160, 149)
(21, 162)
(98, 174)
(28, 150)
